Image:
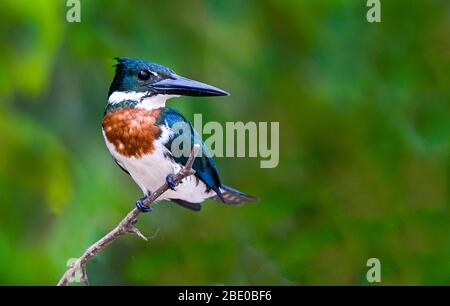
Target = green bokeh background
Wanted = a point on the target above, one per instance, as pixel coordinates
(364, 141)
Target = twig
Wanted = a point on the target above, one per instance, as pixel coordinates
(125, 226)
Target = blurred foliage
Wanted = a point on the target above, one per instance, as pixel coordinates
(365, 139)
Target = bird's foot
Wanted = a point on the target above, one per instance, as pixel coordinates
(170, 181)
(142, 206)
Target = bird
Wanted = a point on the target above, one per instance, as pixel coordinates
(139, 131)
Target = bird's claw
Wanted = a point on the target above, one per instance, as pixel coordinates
(170, 181)
(142, 206)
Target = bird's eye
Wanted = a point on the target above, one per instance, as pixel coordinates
(144, 75)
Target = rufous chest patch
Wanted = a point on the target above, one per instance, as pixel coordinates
(132, 131)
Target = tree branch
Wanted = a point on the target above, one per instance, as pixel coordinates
(125, 226)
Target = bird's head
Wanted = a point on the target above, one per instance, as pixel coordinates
(139, 79)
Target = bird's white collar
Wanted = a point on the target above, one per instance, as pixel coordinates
(144, 101)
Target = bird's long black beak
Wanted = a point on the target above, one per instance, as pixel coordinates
(180, 86)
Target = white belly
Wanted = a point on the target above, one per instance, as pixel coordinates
(150, 172)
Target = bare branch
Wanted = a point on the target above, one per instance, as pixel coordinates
(125, 226)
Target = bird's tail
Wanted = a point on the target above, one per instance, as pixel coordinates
(232, 196)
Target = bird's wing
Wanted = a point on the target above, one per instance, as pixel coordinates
(204, 166)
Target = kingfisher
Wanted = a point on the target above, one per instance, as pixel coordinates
(139, 131)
